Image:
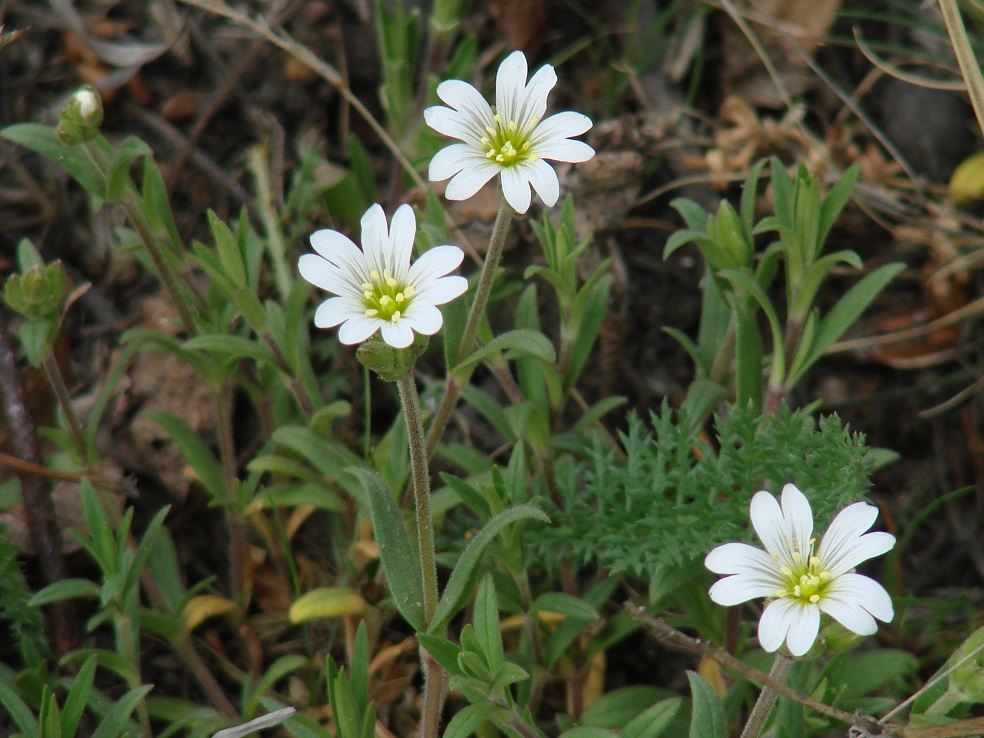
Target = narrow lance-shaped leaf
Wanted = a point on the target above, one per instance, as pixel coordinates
(707, 719)
(457, 588)
(844, 314)
(395, 551)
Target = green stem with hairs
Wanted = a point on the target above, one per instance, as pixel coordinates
(454, 385)
(779, 672)
(420, 468)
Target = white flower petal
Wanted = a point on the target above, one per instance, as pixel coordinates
(516, 189)
(851, 615)
(564, 149)
(803, 629)
(449, 161)
(470, 180)
(464, 97)
(774, 624)
(844, 559)
(335, 311)
(424, 318)
(562, 125)
(534, 103)
(443, 290)
(334, 246)
(403, 231)
(375, 238)
(357, 329)
(397, 334)
(510, 83)
(768, 522)
(322, 273)
(798, 518)
(851, 522)
(544, 180)
(739, 588)
(862, 591)
(451, 123)
(739, 558)
(434, 263)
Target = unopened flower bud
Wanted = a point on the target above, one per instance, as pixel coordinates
(38, 292)
(80, 118)
(391, 363)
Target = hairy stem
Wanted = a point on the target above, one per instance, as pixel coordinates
(433, 672)
(57, 382)
(453, 387)
(779, 672)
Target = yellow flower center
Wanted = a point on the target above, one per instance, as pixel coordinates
(507, 144)
(384, 297)
(806, 580)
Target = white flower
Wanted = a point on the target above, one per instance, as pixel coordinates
(377, 288)
(512, 139)
(801, 578)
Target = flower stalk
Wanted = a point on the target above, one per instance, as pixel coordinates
(453, 386)
(779, 672)
(420, 469)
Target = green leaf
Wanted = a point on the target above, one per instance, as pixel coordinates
(347, 719)
(359, 669)
(395, 550)
(444, 651)
(195, 451)
(156, 204)
(472, 497)
(228, 348)
(65, 589)
(118, 173)
(486, 623)
(598, 411)
(456, 591)
(17, 709)
(147, 542)
(42, 140)
(835, 201)
(651, 722)
(843, 315)
(588, 731)
(467, 720)
(589, 313)
(707, 719)
(520, 341)
(35, 336)
(112, 723)
(227, 248)
(77, 697)
(615, 709)
(330, 458)
(565, 604)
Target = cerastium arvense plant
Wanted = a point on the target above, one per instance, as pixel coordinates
(509, 574)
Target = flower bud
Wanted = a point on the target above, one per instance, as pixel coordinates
(391, 363)
(80, 118)
(38, 292)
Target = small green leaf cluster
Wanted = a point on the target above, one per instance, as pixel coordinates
(480, 670)
(673, 496)
(741, 278)
(36, 293)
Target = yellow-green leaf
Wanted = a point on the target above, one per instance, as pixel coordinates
(201, 608)
(326, 602)
(967, 181)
